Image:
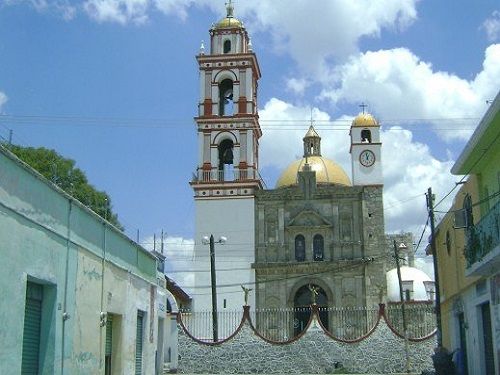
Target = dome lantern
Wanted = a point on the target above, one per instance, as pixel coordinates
(312, 143)
(327, 171)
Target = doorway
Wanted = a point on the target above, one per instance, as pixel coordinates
(302, 307)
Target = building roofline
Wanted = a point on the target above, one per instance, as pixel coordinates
(458, 167)
(50, 184)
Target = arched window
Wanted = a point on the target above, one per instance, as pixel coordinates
(300, 248)
(226, 105)
(227, 46)
(366, 136)
(469, 219)
(318, 247)
(226, 172)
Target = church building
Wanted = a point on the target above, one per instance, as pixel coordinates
(316, 228)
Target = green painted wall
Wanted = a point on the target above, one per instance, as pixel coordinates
(48, 238)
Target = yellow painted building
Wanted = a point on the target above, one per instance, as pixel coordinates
(454, 284)
(468, 253)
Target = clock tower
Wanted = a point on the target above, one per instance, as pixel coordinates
(226, 176)
(366, 151)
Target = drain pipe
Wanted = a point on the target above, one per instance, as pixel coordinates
(65, 315)
(103, 315)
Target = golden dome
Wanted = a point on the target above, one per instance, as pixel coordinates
(327, 172)
(364, 120)
(228, 22)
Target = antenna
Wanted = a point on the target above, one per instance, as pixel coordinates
(161, 249)
(154, 241)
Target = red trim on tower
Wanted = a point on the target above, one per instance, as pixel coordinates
(242, 105)
(207, 107)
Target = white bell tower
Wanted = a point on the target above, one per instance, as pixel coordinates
(226, 177)
(366, 150)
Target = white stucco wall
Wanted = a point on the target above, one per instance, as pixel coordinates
(234, 219)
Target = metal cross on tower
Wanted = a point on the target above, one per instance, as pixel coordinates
(363, 106)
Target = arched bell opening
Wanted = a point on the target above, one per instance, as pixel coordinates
(226, 162)
(227, 46)
(226, 104)
(366, 136)
(302, 307)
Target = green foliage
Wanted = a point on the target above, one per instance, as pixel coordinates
(72, 180)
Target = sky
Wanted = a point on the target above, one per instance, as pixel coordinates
(113, 84)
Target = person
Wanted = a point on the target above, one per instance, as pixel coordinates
(459, 361)
(442, 361)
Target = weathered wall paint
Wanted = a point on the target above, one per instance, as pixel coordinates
(85, 266)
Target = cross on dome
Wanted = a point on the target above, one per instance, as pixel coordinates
(230, 9)
(363, 106)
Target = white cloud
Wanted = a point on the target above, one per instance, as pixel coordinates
(325, 28)
(399, 85)
(175, 7)
(409, 167)
(179, 259)
(3, 99)
(120, 11)
(297, 85)
(331, 29)
(63, 8)
(492, 26)
(409, 170)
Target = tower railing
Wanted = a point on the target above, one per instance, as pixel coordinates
(234, 175)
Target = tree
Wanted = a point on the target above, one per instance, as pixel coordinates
(72, 180)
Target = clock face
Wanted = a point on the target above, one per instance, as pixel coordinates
(367, 158)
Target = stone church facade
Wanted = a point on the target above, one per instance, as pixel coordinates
(316, 228)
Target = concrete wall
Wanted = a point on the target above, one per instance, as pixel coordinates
(312, 353)
(85, 266)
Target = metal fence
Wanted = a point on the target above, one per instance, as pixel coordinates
(421, 319)
(349, 323)
(199, 324)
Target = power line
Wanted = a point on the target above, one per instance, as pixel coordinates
(470, 169)
(343, 124)
(489, 197)
(422, 235)
(255, 283)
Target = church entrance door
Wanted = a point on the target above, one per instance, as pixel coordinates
(302, 307)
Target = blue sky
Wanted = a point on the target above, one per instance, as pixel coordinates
(113, 84)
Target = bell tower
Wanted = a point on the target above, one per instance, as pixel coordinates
(366, 150)
(226, 176)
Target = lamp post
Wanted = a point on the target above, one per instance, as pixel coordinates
(206, 240)
(402, 246)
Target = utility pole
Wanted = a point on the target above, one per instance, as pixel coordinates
(214, 289)
(430, 209)
(10, 136)
(403, 309)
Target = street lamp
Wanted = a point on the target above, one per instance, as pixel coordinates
(210, 241)
(402, 246)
